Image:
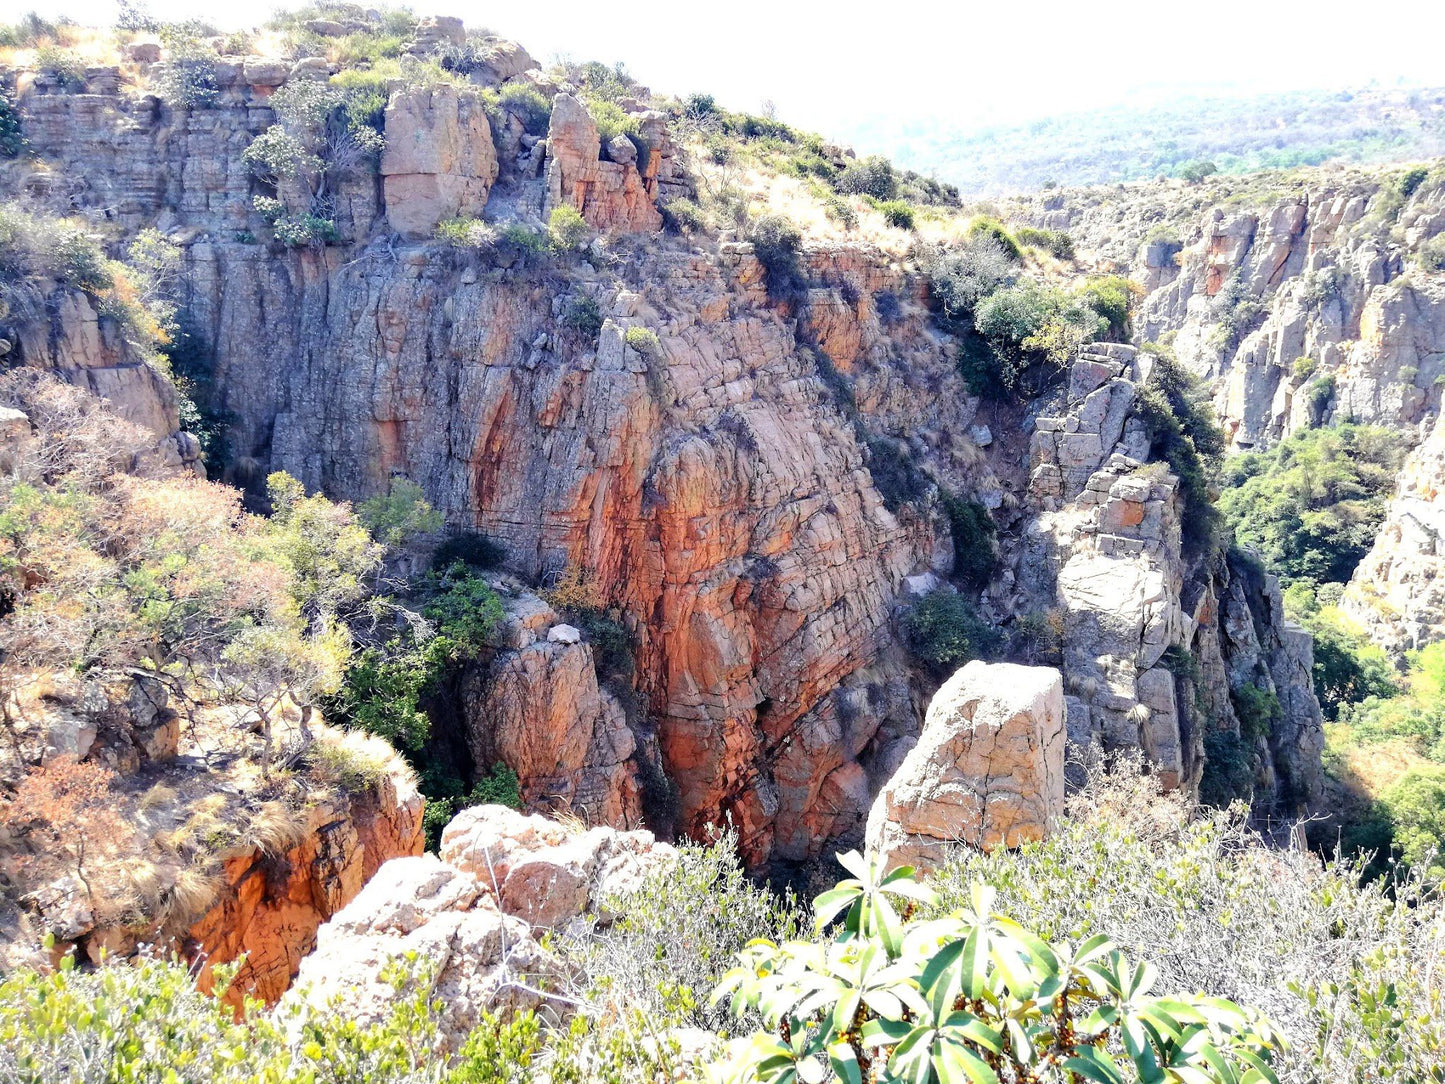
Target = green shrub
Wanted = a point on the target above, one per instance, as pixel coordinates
(525, 239)
(1028, 328)
(1176, 411)
(1416, 808)
(961, 277)
(1112, 297)
(1055, 242)
(997, 232)
(471, 548)
(12, 139)
(466, 233)
(776, 243)
(500, 786)
(684, 215)
(971, 996)
(528, 104)
(62, 64)
(1341, 967)
(897, 214)
(1303, 368)
(972, 528)
(871, 176)
(567, 228)
(584, 316)
(895, 475)
(305, 231)
(395, 517)
(841, 212)
(1431, 255)
(1196, 171)
(1257, 710)
(945, 631)
(1348, 668)
(1410, 181)
(612, 122)
(1236, 310)
(1321, 395)
(644, 340)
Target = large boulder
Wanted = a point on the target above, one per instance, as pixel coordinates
(439, 161)
(988, 769)
(476, 917)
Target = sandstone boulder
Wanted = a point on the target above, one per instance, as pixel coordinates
(439, 160)
(543, 872)
(610, 195)
(988, 769)
(471, 955)
(474, 917)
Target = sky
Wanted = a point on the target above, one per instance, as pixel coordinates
(827, 65)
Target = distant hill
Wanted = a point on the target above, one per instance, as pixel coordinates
(1236, 134)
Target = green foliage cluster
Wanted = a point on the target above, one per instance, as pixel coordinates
(1312, 504)
(776, 241)
(1230, 764)
(567, 229)
(525, 102)
(1055, 242)
(399, 514)
(27, 32)
(1348, 668)
(644, 340)
(12, 138)
(584, 316)
(149, 1022)
(945, 631)
(973, 531)
(971, 996)
(897, 213)
(189, 78)
(1184, 433)
(986, 227)
(896, 476)
(1236, 309)
(1032, 331)
(1257, 710)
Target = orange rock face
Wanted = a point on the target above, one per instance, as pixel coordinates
(272, 905)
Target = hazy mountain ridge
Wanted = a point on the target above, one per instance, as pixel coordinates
(1126, 142)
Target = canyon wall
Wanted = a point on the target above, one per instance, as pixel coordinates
(708, 458)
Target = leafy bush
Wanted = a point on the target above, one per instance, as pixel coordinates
(1410, 181)
(63, 64)
(945, 631)
(1257, 710)
(471, 548)
(612, 121)
(1183, 432)
(1348, 668)
(1236, 310)
(305, 231)
(961, 277)
(972, 996)
(567, 228)
(1341, 968)
(465, 232)
(871, 176)
(1312, 505)
(897, 214)
(1028, 327)
(683, 215)
(972, 528)
(12, 139)
(1055, 242)
(394, 517)
(996, 231)
(776, 242)
(528, 104)
(525, 239)
(1196, 171)
(584, 316)
(1112, 297)
(897, 478)
(644, 340)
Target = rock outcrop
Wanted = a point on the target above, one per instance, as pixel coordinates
(1397, 592)
(538, 708)
(473, 918)
(272, 903)
(439, 161)
(988, 769)
(1156, 635)
(617, 194)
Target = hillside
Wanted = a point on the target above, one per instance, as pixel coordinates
(467, 526)
(1239, 134)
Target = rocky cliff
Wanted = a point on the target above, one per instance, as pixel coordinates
(708, 452)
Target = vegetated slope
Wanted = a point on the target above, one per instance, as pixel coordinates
(1125, 143)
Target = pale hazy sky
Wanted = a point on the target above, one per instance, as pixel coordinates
(824, 64)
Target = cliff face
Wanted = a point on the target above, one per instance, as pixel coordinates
(715, 488)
